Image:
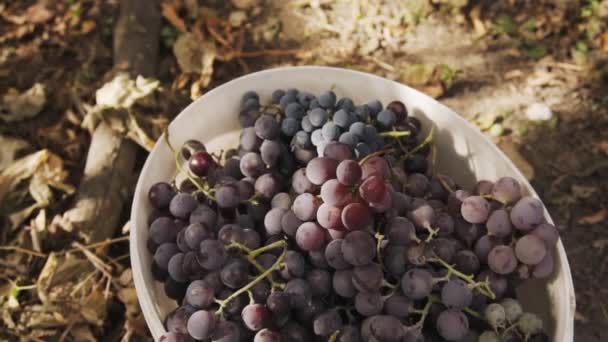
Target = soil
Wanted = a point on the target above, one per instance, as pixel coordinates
(488, 61)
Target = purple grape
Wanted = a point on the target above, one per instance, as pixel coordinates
(201, 324)
(502, 260)
(548, 233)
(456, 293)
(475, 209)
(310, 236)
(530, 249)
(160, 195)
(527, 213)
(499, 224)
(358, 248)
(506, 190)
(417, 283)
(320, 170)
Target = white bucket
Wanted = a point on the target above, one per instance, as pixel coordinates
(463, 153)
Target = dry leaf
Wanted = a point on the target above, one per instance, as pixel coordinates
(582, 191)
(478, 24)
(10, 147)
(124, 92)
(195, 56)
(600, 244)
(87, 26)
(604, 41)
(82, 332)
(17, 106)
(170, 13)
(38, 13)
(594, 218)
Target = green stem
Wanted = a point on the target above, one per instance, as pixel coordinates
(223, 303)
(379, 237)
(427, 140)
(256, 264)
(473, 313)
(256, 252)
(334, 336)
(423, 314)
(395, 134)
(483, 287)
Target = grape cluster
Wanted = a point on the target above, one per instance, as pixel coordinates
(354, 240)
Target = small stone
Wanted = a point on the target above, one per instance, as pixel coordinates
(539, 112)
(237, 18)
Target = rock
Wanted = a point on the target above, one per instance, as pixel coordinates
(539, 112)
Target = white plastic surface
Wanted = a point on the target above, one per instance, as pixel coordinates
(463, 153)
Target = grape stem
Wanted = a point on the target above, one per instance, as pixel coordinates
(334, 336)
(256, 264)
(444, 183)
(427, 140)
(473, 313)
(379, 237)
(423, 314)
(283, 244)
(432, 233)
(375, 154)
(481, 287)
(395, 134)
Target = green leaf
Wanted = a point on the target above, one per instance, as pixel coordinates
(447, 74)
(505, 24)
(529, 25)
(537, 51)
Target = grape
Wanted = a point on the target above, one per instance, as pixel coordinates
(302, 139)
(204, 215)
(414, 336)
(349, 172)
(386, 328)
(484, 245)
(456, 293)
(295, 265)
(278, 303)
(335, 194)
(277, 95)
(174, 337)
(252, 165)
(489, 336)
(164, 253)
(327, 323)
(422, 214)
(163, 230)
(317, 137)
(445, 223)
(375, 107)
(330, 217)
(294, 332)
(271, 151)
(358, 248)
(370, 135)
(320, 170)
(401, 231)
(455, 201)
(306, 124)
(338, 151)
(548, 233)
(305, 206)
(372, 189)
(266, 260)
(267, 185)
(367, 278)
(249, 141)
(346, 103)
(330, 131)
(255, 316)
(416, 163)
(200, 294)
(483, 188)
(281, 200)
(495, 315)
(386, 119)
(529, 324)
(310, 310)
(226, 331)
(513, 309)
(349, 139)
(201, 324)
(416, 253)
(294, 111)
(272, 221)
(475, 209)
(266, 127)
(349, 333)
(232, 168)
(452, 324)
(466, 262)
(212, 255)
(176, 271)
(318, 117)
(230, 233)
(502, 260)
(400, 202)
(305, 98)
(182, 205)
(506, 190)
(177, 319)
(300, 183)
(327, 99)
(227, 196)
(260, 291)
(299, 292)
(342, 119)
(160, 195)
(174, 289)
(192, 269)
(320, 282)
(342, 283)
(368, 303)
(250, 95)
(395, 260)
(384, 204)
(417, 283)
(399, 306)
(362, 150)
(375, 166)
(290, 223)
(310, 236)
(266, 335)
(201, 163)
(467, 232)
(530, 249)
(334, 256)
(527, 213)
(442, 248)
(544, 268)
(499, 224)
(251, 238)
(356, 216)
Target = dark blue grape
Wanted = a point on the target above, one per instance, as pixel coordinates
(182, 205)
(266, 127)
(250, 95)
(287, 99)
(342, 118)
(386, 119)
(370, 134)
(305, 98)
(358, 129)
(277, 95)
(375, 106)
(349, 138)
(294, 110)
(317, 137)
(250, 103)
(327, 99)
(318, 117)
(362, 113)
(330, 131)
(346, 104)
(302, 139)
(306, 125)
(160, 194)
(314, 104)
(362, 149)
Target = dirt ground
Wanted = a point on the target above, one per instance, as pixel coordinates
(532, 75)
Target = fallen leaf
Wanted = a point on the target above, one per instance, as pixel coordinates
(417, 74)
(124, 92)
(82, 332)
(17, 106)
(478, 24)
(38, 13)
(170, 13)
(595, 217)
(511, 150)
(87, 26)
(604, 41)
(188, 51)
(582, 191)
(10, 147)
(600, 244)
